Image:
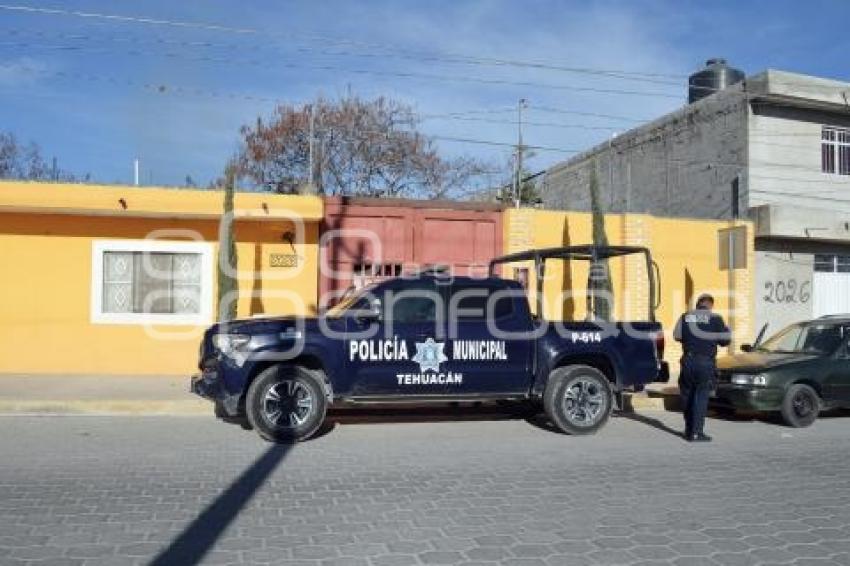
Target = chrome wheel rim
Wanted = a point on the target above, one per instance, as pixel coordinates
(288, 403)
(585, 401)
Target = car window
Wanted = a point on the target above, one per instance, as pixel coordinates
(471, 301)
(785, 340)
(818, 339)
(822, 339)
(414, 302)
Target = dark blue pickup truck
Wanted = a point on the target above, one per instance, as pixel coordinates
(432, 338)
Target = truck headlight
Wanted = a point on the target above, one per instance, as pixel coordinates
(758, 379)
(227, 343)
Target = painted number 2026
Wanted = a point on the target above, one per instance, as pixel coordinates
(787, 291)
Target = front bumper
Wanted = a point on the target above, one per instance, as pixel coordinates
(747, 397)
(207, 385)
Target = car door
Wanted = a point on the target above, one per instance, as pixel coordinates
(489, 347)
(387, 363)
(837, 369)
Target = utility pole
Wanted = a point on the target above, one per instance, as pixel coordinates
(611, 169)
(136, 172)
(312, 173)
(522, 103)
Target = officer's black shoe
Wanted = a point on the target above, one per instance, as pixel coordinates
(699, 438)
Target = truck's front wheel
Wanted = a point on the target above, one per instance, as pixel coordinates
(578, 399)
(286, 403)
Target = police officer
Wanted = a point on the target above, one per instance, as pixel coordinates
(700, 331)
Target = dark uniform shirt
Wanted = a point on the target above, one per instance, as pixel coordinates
(700, 331)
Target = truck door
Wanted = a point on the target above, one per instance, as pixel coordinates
(404, 349)
(489, 345)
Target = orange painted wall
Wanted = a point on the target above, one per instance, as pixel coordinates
(45, 293)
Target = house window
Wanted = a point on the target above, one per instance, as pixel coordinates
(828, 263)
(835, 151)
(151, 282)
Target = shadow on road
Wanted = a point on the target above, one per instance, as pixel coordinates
(199, 537)
(654, 423)
(441, 413)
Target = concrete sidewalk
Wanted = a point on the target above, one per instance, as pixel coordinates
(99, 394)
(169, 395)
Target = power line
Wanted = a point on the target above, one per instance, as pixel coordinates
(394, 49)
(544, 109)
(591, 114)
(504, 110)
(525, 123)
(503, 144)
(425, 58)
(354, 71)
(165, 89)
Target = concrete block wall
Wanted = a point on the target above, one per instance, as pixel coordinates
(683, 164)
(785, 162)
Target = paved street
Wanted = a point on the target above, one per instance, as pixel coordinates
(109, 490)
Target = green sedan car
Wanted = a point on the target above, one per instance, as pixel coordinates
(798, 372)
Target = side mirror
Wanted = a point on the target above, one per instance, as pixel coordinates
(746, 348)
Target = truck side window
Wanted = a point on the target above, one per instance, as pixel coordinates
(411, 304)
(472, 301)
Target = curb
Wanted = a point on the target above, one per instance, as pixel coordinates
(105, 407)
(641, 402)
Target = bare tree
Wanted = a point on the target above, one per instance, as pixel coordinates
(24, 161)
(355, 147)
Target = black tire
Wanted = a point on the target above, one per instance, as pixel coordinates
(578, 399)
(287, 403)
(800, 406)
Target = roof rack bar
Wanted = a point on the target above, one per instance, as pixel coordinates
(581, 253)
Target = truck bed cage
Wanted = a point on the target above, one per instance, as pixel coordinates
(589, 253)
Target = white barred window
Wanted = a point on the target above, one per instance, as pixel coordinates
(835, 150)
(151, 282)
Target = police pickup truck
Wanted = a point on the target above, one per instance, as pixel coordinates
(434, 338)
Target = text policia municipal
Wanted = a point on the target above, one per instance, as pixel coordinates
(396, 350)
(429, 355)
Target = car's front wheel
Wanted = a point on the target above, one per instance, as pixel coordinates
(286, 403)
(578, 399)
(800, 406)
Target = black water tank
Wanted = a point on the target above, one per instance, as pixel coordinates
(716, 76)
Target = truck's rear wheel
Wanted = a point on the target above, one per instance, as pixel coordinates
(578, 399)
(286, 404)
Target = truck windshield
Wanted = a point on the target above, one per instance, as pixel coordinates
(817, 339)
(356, 300)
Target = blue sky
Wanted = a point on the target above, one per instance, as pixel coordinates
(97, 92)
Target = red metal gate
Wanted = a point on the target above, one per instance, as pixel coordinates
(364, 239)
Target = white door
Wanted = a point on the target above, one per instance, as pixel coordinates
(831, 293)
